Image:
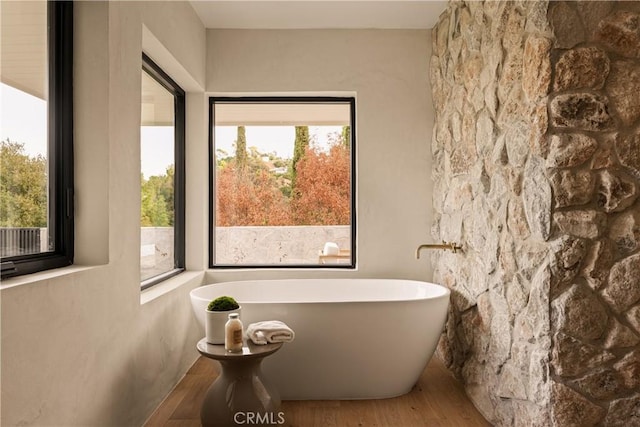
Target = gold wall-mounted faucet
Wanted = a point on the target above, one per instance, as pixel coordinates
(453, 247)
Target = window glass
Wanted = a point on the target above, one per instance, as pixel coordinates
(159, 137)
(36, 157)
(24, 144)
(283, 192)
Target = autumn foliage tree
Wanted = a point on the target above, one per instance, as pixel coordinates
(249, 195)
(322, 195)
(253, 195)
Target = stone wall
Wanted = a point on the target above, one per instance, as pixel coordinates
(490, 72)
(536, 167)
(258, 245)
(156, 251)
(593, 164)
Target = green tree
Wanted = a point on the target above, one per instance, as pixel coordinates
(300, 146)
(23, 187)
(165, 186)
(222, 157)
(156, 208)
(241, 148)
(346, 136)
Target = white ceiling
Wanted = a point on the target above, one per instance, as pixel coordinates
(282, 114)
(319, 14)
(23, 46)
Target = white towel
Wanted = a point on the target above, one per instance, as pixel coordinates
(269, 331)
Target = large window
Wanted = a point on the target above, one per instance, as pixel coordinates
(162, 176)
(282, 182)
(36, 136)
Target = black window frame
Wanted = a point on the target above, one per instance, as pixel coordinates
(154, 71)
(60, 149)
(212, 172)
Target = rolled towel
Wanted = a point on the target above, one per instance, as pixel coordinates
(269, 331)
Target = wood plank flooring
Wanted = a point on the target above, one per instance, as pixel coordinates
(437, 400)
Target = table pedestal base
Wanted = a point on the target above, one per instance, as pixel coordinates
(241, 395)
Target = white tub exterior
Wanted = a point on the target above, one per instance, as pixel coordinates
(355, 338)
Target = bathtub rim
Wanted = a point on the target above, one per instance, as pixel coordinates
(442, 291)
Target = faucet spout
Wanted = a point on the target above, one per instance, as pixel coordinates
(453, 247)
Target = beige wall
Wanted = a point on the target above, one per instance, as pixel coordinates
(387, 71)
(79, 345)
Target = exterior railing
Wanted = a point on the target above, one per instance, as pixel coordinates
(22, 241)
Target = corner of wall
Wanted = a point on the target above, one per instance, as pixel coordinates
(91, 132)
(490, 74)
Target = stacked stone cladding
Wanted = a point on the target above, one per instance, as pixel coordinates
(536, 151)
(593, 162)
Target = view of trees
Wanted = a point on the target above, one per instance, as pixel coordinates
(314, 190)
(253, 188)
(23, 191)
(23, 187)
(322, 191)
(300, 147)
(156, 209)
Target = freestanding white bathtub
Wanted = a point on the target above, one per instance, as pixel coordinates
(354, 338)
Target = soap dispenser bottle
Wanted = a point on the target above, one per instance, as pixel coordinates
(233, 334)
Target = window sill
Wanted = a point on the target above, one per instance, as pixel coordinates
(145, 296)
(29, 279)
(171, 284)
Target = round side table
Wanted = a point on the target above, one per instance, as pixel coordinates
(240, 392)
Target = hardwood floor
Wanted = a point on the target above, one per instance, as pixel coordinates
(437, 400)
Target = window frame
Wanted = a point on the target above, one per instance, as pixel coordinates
(154, 71)
(60, 149)
(212, 173)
